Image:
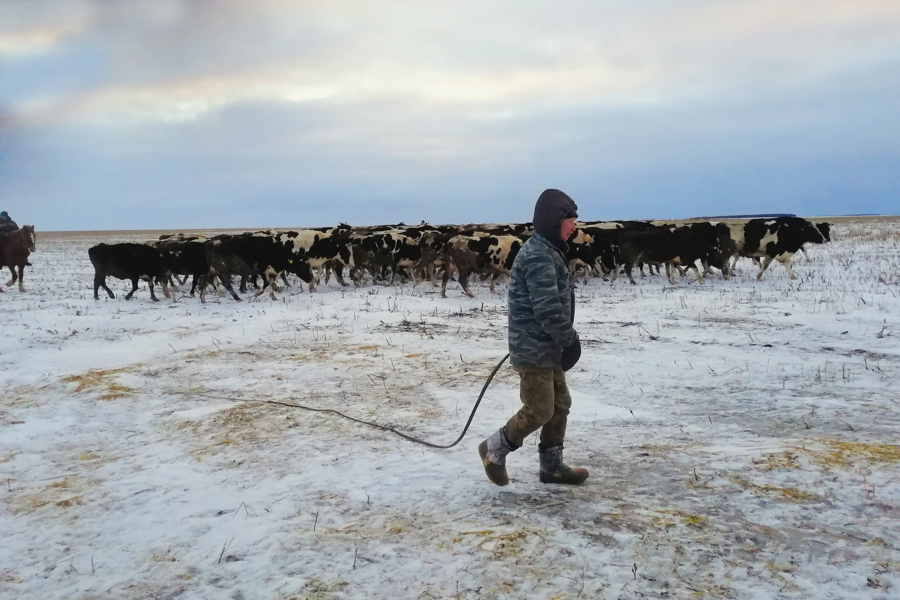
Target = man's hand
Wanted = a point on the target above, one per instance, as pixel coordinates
(571, 354)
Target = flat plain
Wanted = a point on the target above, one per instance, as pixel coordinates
(742, 438)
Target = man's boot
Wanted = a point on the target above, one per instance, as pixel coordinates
(493, 453)
(554, 470)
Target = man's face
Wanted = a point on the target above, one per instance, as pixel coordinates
(567, 228)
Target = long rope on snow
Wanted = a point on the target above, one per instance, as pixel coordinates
(376, 425)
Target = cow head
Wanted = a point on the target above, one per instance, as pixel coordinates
(300, 267)
(825, 230)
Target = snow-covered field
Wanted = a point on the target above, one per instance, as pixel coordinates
(741, 438)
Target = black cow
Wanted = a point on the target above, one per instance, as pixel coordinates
(127, 261)
(185, 255)
(597, 247)
(257, 254)
(669, 245)
(717, 241)
(780, 238)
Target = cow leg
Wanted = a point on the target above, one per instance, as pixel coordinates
(698, 271)
(765, 265)
(805, 254)
(430, 270)
(339, 275)
(628, 267)
(356, 274)
(784, 259)
(608, 274)
(444, 279)
(270, 276)
(152, 293)
(134, 287)
(203, 281)
(464, 282)
(100, 281)
(227, 284)
(316, 278)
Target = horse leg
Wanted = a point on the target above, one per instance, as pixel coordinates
(12, 270)
(21, 278)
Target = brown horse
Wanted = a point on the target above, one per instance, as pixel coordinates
(14, 251)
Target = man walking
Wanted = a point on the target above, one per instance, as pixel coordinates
(542, 344)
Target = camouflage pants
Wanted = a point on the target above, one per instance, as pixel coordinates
(545, 406)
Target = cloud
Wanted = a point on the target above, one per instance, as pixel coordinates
(368, 107)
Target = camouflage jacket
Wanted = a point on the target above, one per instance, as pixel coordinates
(541, 305)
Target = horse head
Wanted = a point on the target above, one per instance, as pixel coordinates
(29, 237)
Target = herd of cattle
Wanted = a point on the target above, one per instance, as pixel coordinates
(386, 253)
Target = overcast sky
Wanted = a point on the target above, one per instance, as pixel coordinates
(186, 114)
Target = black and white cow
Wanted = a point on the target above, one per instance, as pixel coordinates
(780, 238)
(478, 252)
(127, 261)
(321, 248)
(387, 250)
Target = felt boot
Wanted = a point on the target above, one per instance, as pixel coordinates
(493, 453)
(554, 470)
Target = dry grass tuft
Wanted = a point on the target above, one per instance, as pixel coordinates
(9, 576)
(770, 490)
(846, 454)
(101, 380)
(65, 493)
(778, 460)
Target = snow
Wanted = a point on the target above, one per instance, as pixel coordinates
(741, 438)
